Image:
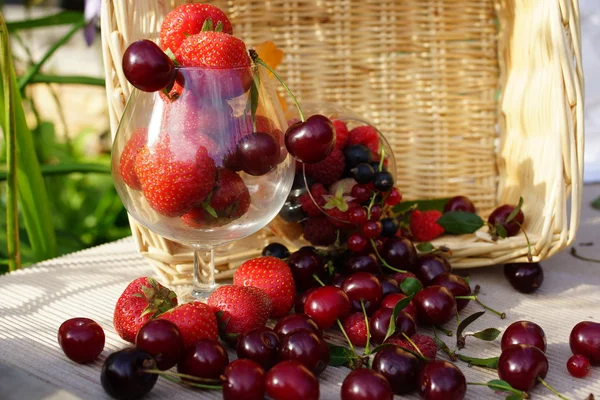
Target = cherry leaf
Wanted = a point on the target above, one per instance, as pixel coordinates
(488, 334)
(399, 307)
(480, 362)
(410, 286)
(460, 222)
(466, 322)
(340, 355)
(425, 247)
(501, 231)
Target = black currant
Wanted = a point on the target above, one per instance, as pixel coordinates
(356, 154)
(389, 227)
(276, 250)
(383, 181)
(363, 173)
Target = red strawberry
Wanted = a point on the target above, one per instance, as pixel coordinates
(127, 161)
(423, 225)
(319, 231)
(143, 299)
(356, 329)
(341, 134)
(308, 206)
(365, 135)
(329, 170)
(195, 321)
(241, 308)
(187, 20)
(424, 343)
(172, 182)
(274, 277)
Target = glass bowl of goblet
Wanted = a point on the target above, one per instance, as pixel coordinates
(204, 162)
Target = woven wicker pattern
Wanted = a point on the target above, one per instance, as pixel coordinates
(477, 97)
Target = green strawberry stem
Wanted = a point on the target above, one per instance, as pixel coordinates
(383, 262)
(367, 346)
(257, 60)
(543, 382)
(414, 345)
(444, 330)
(502, 388)
(177, 378)
(476, 299)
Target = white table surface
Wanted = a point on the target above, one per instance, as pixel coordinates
(35, 301)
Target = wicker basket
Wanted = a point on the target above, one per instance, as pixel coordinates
(477, 97)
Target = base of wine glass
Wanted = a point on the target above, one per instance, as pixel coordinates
(204, 274)
(203, 294)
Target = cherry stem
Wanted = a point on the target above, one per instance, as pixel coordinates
(529, 255)
(576, 255)
(367, 346)
(502, 388)
(271, 70)
(414, 345)
(346, 335)
(177, 378)
(476, 299)
(543, 382)
(446, 331)
(385, 264)
(316, 278)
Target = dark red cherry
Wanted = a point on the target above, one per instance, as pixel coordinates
(380, 322)
(500, 215)
(162, 340)
(244, 379)
(311, 141)
(391, 300)
(258, 153)
(524, 332)
(442, 380)
(205, 359)
(435, 305)
(123, 374)
(366, 384)
(521, 364)
(147, 67)
(524, 277)
(400, 368)
(301, 299)
(81, 339)
(326, 304)
(578, 366)
(290, 380)
(357, 243)
(338, 280)
(399, 252)
(362, 262)
(459, 203)
(429, 266)
(366, 287)
(294, 322)
(389, 285)
(585, 340)
(305, 263)
(457, 285)
(362, 194)
(307, 348)
(259, 345)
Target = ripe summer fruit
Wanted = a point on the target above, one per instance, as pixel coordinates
(135, 143)
(442, 380)
(293, 322)
(311, 141)
(244, 379)
(435, 305)
(423, 225)
(143, 299)
(578, 365)
(147, 67)
(257, 153)
(365, 287)
(366, 384)
(161, 339)
(457, 285)
(425, 344)
(81, 339)
(276, 250)
(399, 252)
(307, 348)
(365, 135)
(524, 332)
(459, 203)
(260, 345)
(429, 266)
(195, 321)
(305, 263)
(290, 380)
(585, 340)
(380, 322)
(524, 277)
(399, 367)
(501, 214)
(521, 365)
(274, 277)
(356, 329)
(123, 375)
(329, 170)
(326, 304)
(391, 300)
(205, 359)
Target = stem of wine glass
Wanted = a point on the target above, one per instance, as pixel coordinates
(204, 274)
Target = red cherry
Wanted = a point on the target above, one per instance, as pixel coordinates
(361, 193)
(363, 262)
(357, 216)
(521, 364)
(257, 153)
(380, 322)
(259, 345)
(585, 340)
(524, 332)
(311, 141)
(244, 379)
(205, 359)
(394, 197)
(459, 203)
(357, 243)
(391, 300)
(307, 348)
(435, 305)
(399, 367)
(162, 340)
(371, 229)
(442, 380)
(326, 304)
(305, 263)
(290, 380)
(366, 287)
(366, 384)
(81, 339)
(301, 299)
(499, 216)
(524, 277)
(389, 285)
(294, 322)
(578, 366)
(456, 285)
(399, 252)
(147, 67)
(429, 266)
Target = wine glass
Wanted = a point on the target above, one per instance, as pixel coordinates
(204, 163)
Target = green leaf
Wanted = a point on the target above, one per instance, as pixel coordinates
(421, 205)
(499, 384)
(460, 222)
(254, 95)
(67, 79)
(207, 25)
(219, 27)
(63, 169)
(480, 362)
(410, 286)
(596, 204)
(466, 322)
(210, 210)
(61, 18)
(488, 334)
(339, 355)
(501, 231)
(514, 212)
(513, 397)
(425, 247)
(397, 308)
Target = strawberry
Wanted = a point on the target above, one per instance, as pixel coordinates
(329, 170)
(365, 135)
(195, 321)
(229, 200)
(240, 309)
(425, 344)
(318, 192)
(319, 231)
(341, 134)
(273, 276)
(356, 329)
(173, 182)
(423, 226)
(127, 161)
(187, 20)
(143, 299)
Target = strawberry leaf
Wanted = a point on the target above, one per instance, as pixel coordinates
(460, 222)
(219, 27)
(339, 355)
(425, 247)
(514, 212)
(410, 286)
(421, 205)
(207, 25)
(480, 362)
(488, 334)
(399, 307)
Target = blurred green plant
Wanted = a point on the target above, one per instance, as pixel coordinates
(56, 198)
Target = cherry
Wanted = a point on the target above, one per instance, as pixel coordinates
(521, 365)
(524, 277)
(81, 339)
(290, 380)
(401, 276)
(366, 384)
(585, 340)
(366, 287)
(459, 203)
(123, 375)
(391, 300)
(524, 332)
(578, 366)
(429, 266)
(394, 197)
(371, 229)
(305, 263)
(258, 153)
(399, 367)
(363, 262)
(499, 216)
(357, 243)
(205, 359)
(363, 173)
(147, 67)
(311, 141)
(435, 305)
(327, 304)
(301, 299)
(276, 250)
(389, 285)
(355, 154)
(442, 380)
(399, 252)
(259, 345)
(376, 212)
(244, 379)
(338, 280)
(457, 285)
(162, 340)
(389, 227)
(383, 181)
(357, 216)
(361, 193)
(294, 322)
(380, 322)
(307, 348)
